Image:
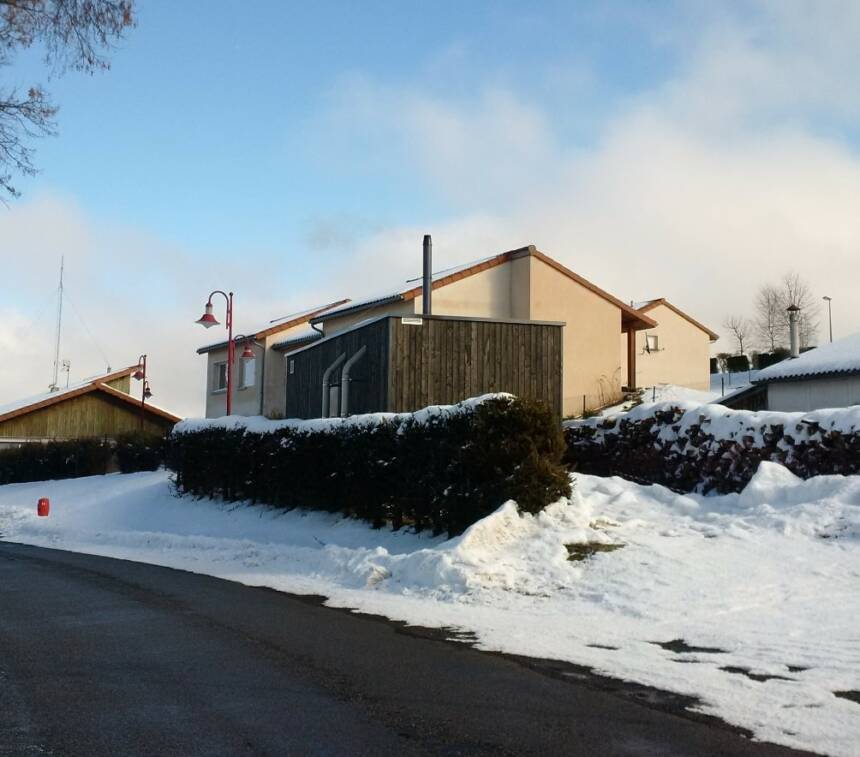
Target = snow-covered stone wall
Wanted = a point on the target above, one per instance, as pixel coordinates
(691, 447)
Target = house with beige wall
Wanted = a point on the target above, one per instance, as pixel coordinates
(258, 384)
(525, 285)
(674, 351)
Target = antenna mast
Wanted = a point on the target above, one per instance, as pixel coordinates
(54, 385)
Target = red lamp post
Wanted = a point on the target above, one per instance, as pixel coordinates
(208, 320)
(140, 375)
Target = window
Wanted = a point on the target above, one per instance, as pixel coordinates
(249, 373)
(219, 377)
(651, 344)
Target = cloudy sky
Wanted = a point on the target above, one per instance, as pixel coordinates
(296, 153)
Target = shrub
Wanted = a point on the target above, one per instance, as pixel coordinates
(36, 461)
(713, 448)
(441, 469)
(139, 452)
(737, 363)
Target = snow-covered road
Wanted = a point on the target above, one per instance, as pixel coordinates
(747, 601)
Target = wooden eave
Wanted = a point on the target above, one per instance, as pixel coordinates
(96, 386)
(663, 301)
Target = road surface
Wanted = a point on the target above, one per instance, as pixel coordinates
(110, 657)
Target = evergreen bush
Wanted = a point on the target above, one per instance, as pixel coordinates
(438, 470)
(139, 452)
(36, 461)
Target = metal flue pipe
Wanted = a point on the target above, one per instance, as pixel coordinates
(427, 287)
(793, 330)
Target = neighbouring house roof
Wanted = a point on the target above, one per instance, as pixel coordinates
(841, 357)
(279, 324)
(630, 317)
(95, 384)
(304, 337)
(646, 305)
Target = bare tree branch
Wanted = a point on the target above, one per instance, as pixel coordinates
(740, 328)
(74, 33)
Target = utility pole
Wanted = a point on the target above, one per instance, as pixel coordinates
(54, 386)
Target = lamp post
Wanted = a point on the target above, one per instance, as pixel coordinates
(829, 314)
(145, 394)
(208, 320)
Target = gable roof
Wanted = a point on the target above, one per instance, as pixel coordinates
(841, 357)
(287, 322)
(646, 305)
(96, 384)
(630, 317)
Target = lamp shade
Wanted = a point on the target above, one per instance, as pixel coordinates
(137, 375)
(207, 319)
(247, 353)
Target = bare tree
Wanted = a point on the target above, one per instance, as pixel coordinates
(769, 319)
(74, 35)
(796, 291)
(740, 329)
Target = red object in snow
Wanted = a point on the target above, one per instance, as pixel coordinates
(44, 507)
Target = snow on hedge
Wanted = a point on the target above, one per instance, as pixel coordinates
(762, 585)
(257, 424)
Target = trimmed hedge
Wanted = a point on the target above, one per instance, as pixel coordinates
(36, 461)
(441, 470)
(711, 448)
(73, 458)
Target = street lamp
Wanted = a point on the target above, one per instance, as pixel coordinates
(829, 314)
(140, 375)
(208, 320)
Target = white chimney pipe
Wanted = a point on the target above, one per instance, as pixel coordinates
(793, 330)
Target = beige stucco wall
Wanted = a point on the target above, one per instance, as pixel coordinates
(270, 374)
(682, 357)
(592, 366)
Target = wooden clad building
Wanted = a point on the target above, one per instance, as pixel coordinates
(101, 407)
(404, 363)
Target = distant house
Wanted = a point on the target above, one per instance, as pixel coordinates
(100, 407)
(674, 351)
(259, 383)
(827, 376)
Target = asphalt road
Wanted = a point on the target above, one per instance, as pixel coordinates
(109, 657)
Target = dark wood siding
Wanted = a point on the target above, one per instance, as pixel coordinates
(367, 391)
(445, 360)
(414, 362)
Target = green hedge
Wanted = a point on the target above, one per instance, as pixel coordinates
(438, 470)
(38, 461)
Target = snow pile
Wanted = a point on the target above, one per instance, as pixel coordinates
(258, 424)
(760, 587)
(841, 356)
(663, 393)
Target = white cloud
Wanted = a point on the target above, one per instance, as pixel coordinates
(699, 190)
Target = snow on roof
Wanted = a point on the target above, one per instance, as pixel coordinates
(841, 356)
(642, 304)
(393, 294)
(11, 407)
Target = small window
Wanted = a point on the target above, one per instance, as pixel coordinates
(249, 373)
(652, 344)
(219, 377)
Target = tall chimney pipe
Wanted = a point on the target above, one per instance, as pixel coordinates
(793, 330)
(427, 287)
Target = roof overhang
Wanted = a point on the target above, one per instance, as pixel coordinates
(712, 336)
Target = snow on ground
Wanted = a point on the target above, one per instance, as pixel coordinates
(763, 585)
(664, 393)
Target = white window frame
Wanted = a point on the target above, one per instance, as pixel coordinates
(216, 375)
(652, 342)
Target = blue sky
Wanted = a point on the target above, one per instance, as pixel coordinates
(297, 152)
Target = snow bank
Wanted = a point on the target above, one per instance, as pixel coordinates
(762, 584)
(841, 356)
